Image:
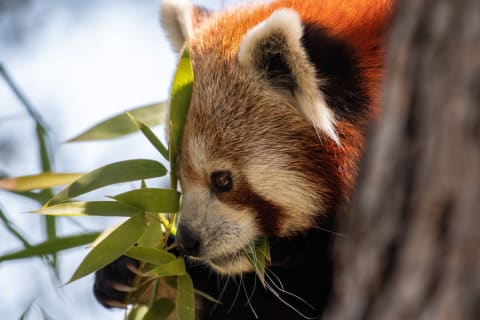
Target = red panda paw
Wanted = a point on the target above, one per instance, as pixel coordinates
(114, 282)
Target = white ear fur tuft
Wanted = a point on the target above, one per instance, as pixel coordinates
(176, 18)
(284, 21)
(284, 31)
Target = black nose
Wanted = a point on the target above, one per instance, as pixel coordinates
(188, 241)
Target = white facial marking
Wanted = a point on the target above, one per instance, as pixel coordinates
(285, 189)
(224, 231)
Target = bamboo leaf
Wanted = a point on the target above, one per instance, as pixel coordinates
(90, 208)
(44, 147)
(117, 172)
(50, 224)
(160, 310)
(154, 292)
(207, 296)
(173, 268)
(264, 249)
(185, 298)
(120, 125)
(153, 236)
(137, 313)
(106, 233)
(112, 246)
(39, 181)
(50, 247)
(181, 95)
(259, 257)
(151, 255)
(148, 133)
(40, 197)
(151, 199)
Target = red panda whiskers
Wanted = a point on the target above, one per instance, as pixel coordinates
(248, 298)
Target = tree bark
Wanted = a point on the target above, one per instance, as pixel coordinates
(412, 249)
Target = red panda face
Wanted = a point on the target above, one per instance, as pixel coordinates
(274, 130)
(246, 165)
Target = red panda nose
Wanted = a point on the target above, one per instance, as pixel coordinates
(188, 241)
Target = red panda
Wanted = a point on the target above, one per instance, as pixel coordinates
(282, 97)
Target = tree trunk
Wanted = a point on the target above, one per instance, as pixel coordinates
(412, 249)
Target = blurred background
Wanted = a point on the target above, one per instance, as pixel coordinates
(78, 62)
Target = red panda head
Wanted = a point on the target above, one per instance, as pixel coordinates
(275, 129)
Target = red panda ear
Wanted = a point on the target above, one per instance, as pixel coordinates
(274, 49)
(179, 18)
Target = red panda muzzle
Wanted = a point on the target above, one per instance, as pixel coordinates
(188, 241)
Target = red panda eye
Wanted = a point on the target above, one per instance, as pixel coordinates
(222, 181)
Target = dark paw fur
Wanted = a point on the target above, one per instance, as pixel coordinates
(114, 274)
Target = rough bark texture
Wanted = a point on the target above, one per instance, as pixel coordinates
(413, 244)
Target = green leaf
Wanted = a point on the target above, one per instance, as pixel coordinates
(207, 296)
(173, 268)
(153, 236)
(160, 310)
(171, 281)
(148, 133)
(263, 249)
(151, 255)
(50, 247)
(44, 147)
(112, 246)
(151, 199)
(185, 298)
(182, 89)
(39, 181)
(117, 172)
(90, 208)
(40, 197)
(258, 257)
(137, 313)
(51, 230)
(120, 125)
(154, 292)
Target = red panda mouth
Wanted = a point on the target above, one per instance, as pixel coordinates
(238, 261)
(226, 259)
(234, 263)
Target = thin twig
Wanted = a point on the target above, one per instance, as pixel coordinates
(12, 229)
(20, 96)
(44, 154)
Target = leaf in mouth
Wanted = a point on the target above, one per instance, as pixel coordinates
(259, 257)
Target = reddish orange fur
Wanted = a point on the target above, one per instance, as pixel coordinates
(360, 23)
